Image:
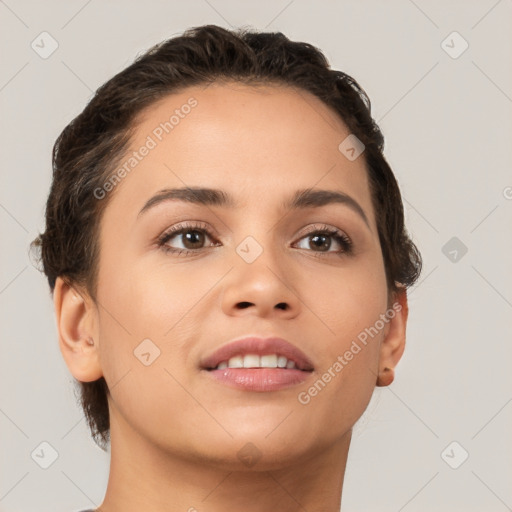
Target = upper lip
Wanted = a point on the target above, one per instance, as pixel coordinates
(258, 346)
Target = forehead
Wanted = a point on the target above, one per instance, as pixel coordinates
(259, 143)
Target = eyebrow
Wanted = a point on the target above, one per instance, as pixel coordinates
(301, 199)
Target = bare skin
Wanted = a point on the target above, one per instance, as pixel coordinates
(176, 433)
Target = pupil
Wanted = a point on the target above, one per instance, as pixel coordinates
(326, 245)
(191, 235)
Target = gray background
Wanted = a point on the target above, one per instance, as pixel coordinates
(448, 128)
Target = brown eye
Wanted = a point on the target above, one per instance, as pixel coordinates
(322, 240)
(192, 239)
(188, 238)
(185, 239)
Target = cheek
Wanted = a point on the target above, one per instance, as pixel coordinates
(147, 300)
(346, 301)
(350, 306)
(346, 377)
(146, 315)
(141, 335)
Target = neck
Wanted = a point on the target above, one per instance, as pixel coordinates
(144, 477)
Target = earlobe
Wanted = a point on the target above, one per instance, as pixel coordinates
(393, 345)
(75, 315)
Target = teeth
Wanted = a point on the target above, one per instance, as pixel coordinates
(269, 361)
(255, 361)
(236, 362)
(281, 361)
(251, 361)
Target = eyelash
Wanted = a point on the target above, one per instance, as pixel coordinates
(338, 235)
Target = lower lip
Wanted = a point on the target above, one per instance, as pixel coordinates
(260, 379)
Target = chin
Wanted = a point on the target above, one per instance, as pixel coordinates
(255, 455)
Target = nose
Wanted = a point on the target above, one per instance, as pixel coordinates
(263, 287)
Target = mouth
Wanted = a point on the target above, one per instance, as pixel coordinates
(249, 361)
(257, 364)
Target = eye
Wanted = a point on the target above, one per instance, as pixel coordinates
(192, 237)
(321, 238)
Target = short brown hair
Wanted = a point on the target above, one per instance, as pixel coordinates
(90, 146)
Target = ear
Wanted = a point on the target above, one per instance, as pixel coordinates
(76, 323)
(393, 345)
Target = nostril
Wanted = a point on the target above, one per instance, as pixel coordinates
(244, 305)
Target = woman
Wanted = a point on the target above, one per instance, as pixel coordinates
(226, 248)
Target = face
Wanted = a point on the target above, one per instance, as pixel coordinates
(179, 279)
